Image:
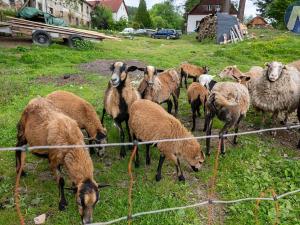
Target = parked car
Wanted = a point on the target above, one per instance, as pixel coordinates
(166, 33)
(141, 32)
(128, 31)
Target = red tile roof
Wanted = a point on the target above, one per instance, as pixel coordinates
(114, 5)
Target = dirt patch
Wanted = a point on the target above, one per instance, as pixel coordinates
(75, 79)
(102, 67)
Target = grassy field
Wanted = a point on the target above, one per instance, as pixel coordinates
(256, 164)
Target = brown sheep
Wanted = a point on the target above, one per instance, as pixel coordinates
(119, 96)
(82, 112)
(235, 73)
(191, 71)
(197, 96)
(149, 121)
(42, 124)
(229, 102)
(161, 87)
(295, 64)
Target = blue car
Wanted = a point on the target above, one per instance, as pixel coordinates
(166, 34)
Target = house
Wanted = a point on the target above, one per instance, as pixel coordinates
(74, 13)
(203, 9)
(118, 7)
(258, 22)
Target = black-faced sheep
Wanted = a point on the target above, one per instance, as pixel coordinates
(82, 112)
(197, 96)
(161, 87)
(278, 90)
(229, 102)
(42, 124)
(149, 121)
(191, 71)
(207, 81)
(119, 96)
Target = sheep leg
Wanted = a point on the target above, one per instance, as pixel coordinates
(161, 161)
(185, 81)
(194, 79)
(208, 127)
(137, 156)
(194, 109)
(103, 114)
(122, 139)
(170, 105)
(222, 132)
(61, 183)
(237, 129)
(178, 169)
(92, 149)
(148, 159)
(128, 133)
(175, 99)
(20, 156)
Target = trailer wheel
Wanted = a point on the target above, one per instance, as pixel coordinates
(41, 37)
(73, 39)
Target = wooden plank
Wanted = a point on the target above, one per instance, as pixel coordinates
(37, 27)
(28, 22)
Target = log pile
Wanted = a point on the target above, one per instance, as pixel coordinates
(207, 28)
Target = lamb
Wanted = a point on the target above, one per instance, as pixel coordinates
(149, 121)
(160, 88)
(197, 96)
(295, 64)
(119, 97)
(191, 71)
(277, 90)
(207, 81)
(229, 102)
(82, 112)
(42, 124)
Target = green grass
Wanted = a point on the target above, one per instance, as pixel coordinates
(256, 164)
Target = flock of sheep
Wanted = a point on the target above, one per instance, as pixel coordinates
(57, 119)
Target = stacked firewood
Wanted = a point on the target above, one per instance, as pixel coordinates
(207, 28)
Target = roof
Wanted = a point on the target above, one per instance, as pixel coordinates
(202, 8)
(256, 19)
(114, 5)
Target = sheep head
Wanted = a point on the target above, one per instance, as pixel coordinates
(119, 73)
(150, 73)
(229, 71)
(195, 157)
(274, 70)
(87, 196)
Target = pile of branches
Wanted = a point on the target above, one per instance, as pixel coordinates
(207, 28)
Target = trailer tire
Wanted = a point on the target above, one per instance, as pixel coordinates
(42, 38)
(72, 40)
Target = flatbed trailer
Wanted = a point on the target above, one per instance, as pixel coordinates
(42, 34)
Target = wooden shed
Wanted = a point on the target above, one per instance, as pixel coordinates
(258, 22)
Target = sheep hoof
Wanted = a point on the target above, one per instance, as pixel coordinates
(158, 177)
(62, 205)
(181, 178)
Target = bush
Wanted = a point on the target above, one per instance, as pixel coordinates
(83, 45)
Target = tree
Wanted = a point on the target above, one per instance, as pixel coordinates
(262, 6)
(241, 11)
(142, 15)
(168, 13)
(190, 4)
(131, 12)
(159, 22)
(102, 17)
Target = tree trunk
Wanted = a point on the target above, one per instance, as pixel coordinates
(241, 10)
(226, 6)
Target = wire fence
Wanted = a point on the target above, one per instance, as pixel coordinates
(210, 202)
(207, 202)
(30, 148)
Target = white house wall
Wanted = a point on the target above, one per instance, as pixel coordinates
(122, 13)
(191, 23)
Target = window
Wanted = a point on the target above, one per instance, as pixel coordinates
(61, 13)
(40, 6)
(51, 10)
(209, 8)
(82, 8)
(77, 21)
(218, 8)
(87, 10)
